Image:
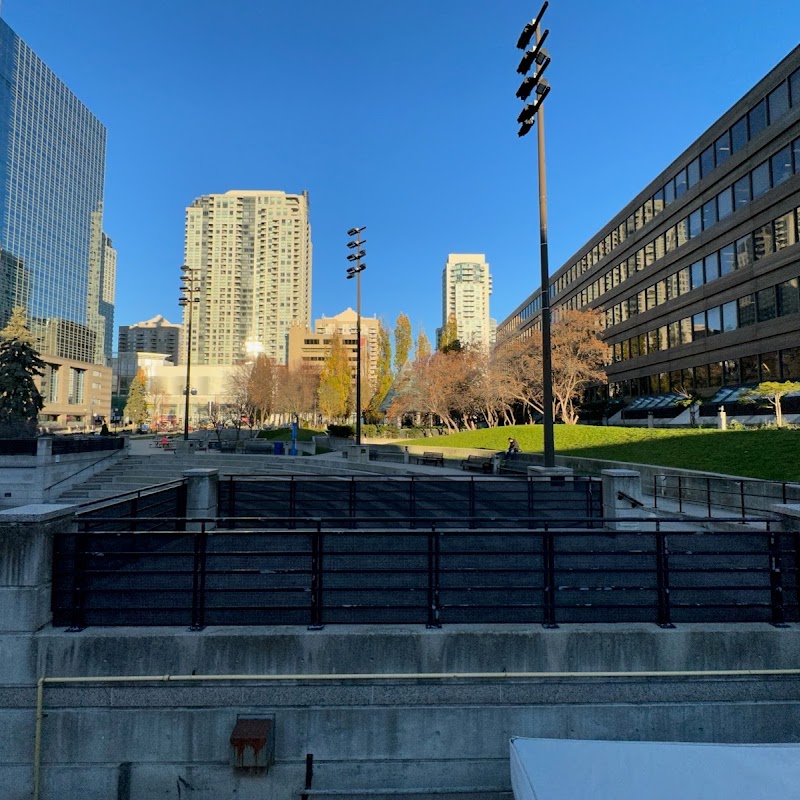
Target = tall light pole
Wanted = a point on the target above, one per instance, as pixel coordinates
(355, 271)
(189, 286)
(535, 84)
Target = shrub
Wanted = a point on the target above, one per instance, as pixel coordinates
(341, 431)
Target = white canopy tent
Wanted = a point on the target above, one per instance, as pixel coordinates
(576, 769)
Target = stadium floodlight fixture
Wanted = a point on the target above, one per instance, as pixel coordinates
(528, 31)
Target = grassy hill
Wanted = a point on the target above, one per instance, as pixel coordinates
(769, 453)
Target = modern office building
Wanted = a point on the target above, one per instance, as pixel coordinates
(698, 276)
(55, 260)
(156, 335)
(250, 252)
(312, 347)
(466, 288)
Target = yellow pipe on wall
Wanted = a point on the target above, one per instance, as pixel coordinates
(376, 676)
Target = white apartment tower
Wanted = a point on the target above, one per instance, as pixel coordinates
(250, 252)
(466, 286)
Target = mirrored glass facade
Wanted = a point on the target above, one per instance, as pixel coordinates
(55, 260)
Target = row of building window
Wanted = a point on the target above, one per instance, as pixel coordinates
(778, 300)
(767, 111)
(767, 175)
(781, 365)
(744, 251)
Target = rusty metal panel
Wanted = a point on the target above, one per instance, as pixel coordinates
(253, 743)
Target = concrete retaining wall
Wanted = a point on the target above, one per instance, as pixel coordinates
(134, 740)
(43, 477)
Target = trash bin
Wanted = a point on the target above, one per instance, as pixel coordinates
(278, 448)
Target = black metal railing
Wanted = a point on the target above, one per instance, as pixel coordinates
(137, 510)
(18, 447)
(88, 444)
(396, 500)
(742, 496)
(309, 573)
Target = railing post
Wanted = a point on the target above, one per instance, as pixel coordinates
(316, 623)
(351, 500)
(433, 578)
(199, 579)
(680, 496)
(655, 491)
(292, 501)
(708, 496)
(412, 501)
(78, 620)
(471, 502)
(231, 501)
(662, 578)
(181, 499)
(741, 497)
(549, 569)
(776, 581)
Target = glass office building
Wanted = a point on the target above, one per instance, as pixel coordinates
(697, 277)
(52, 164)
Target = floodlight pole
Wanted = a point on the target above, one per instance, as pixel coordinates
(547, 364)
(355, 271)
(534, 112)
(189, 299)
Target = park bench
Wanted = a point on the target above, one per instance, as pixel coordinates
(482, 463)
(436, 459)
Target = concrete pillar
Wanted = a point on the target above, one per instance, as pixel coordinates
(622, 498)
(788, 516)
(26, 564)
(358, 453)
(406, 459)
(44, 447)
(722, 421)
(201, 496)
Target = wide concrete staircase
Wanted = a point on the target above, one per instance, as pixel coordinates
(136, 472)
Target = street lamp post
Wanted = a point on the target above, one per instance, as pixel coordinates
(189, 286)
(535, 84)
(354, 271)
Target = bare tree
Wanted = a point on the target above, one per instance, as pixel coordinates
(156, 396)
(262, 388)
(296, 390)
(579, 356)
(241, 404)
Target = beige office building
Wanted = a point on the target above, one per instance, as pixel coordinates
(251, 256)
(312, 347)
(466, 287)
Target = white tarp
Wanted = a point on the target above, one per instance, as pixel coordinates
(577, 769)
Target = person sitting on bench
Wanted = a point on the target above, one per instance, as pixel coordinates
(513, 448)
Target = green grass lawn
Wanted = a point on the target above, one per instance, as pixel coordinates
(285, 434)
(769, 454)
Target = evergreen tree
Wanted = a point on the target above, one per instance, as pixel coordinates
(334, 382)
(20, 365)
(402, 341)
(136, 407)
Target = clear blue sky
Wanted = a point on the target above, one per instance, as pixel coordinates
(400, 116)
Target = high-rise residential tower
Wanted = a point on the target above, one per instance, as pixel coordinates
(250, 252)
(156, 335)
(55, 260)
(466, 286)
